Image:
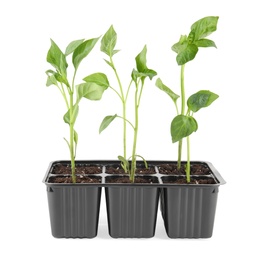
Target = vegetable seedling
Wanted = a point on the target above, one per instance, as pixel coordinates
(138, 77)
(184, 124)
(92, 88)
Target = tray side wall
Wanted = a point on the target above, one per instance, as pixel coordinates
(132, 211)
(74, 211)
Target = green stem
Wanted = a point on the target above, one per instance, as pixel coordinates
(133, 166)
(123, 100)
(188, 160)
(182, 113)
(72, 139)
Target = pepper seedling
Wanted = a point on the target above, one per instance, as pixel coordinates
(138, 77)
(92, 88)
(184, 124)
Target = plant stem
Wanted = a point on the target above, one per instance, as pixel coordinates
(72, 139)
(188, 160)
(182, 113)
(133, 166)
(123, 100)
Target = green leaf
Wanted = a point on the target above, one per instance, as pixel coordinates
(187, 54)
(72, 46)
(57, 59)
(141, 65)
(66, 117)
(180, 45)
(98, 78)
(51, 79)
(108, 42)
(124, 162)
(75, 137)
(182, 126)
(90, 90)
(82, 51)
(203, 98)
(106, 122)
(167, 90)
(141, 60)
(204, 27)
(109, 63)
(205, 43)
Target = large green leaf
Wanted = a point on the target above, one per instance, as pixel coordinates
(72, 46)
(109, 41)
(90, 90)
(187, 54)
(203, 98)
(106, 122)
(82, 51)
(167, 90)
(57, 59)
(204, 27)
(98, 78)
(182, 126)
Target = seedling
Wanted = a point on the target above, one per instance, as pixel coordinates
(184, 124)
(138, 77)
(92, 88)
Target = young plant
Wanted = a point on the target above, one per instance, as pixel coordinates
(138, 77)
(92, 88)
(184, 124)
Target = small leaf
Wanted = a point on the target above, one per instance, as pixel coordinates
(124, 162)
(75, 137)
(203, 98)
(106, 122)
(205, 43)
(180, 45)
(72, 46)
(98, 78)
(167, 90)
(109, 63)
(51, 79)
(90, 90)
(182, 126)
(187, 54)
(141, 60)
(108, 42)
(141, 65)
(204, 27)
(57, 59)
(66, 117)
(82, 51)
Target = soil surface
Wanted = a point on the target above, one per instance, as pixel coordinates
(193, 181)
(119, 170)
(68, 179)
(82, 170)
(125, 179)
(171, 169)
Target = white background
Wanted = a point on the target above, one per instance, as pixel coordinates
(233, 133)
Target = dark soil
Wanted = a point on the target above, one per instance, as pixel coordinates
(171, 169)
(119, 170)
(82, 170)
(79, 179)
(125, 179)
(192, 181)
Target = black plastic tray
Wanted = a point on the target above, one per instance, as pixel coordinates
(157, 177)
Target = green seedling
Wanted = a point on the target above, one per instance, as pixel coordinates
(184, 124)
(138, 77)
(91, 88)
